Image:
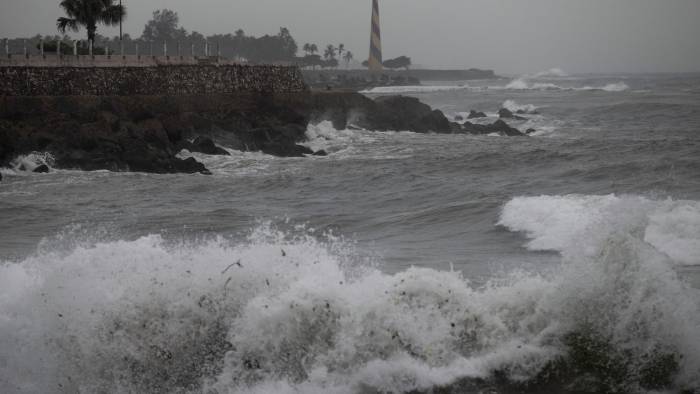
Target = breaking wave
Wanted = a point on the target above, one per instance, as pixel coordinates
(581, 223)
(515, 107)
(551, 73)
(414, 89)
(298, 311)
(524, 84)
(31, 161)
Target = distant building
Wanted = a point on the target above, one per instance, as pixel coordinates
(375, 44)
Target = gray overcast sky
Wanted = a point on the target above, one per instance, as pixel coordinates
(510, 36)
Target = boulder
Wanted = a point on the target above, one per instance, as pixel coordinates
(459, 118)
(499, 126)
(406, 114)
(207, 146)
(530, 131)
(475, 115)
(190, 166)
(505, 113)
(320, 153)
(42, 169)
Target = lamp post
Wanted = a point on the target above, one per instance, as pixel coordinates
(121, 17)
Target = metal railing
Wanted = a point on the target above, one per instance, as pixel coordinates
(62, 52)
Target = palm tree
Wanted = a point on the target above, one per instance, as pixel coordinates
(313, 48)
(329, 53)
(341, 49)
(307, 48)
(89, 13)
(348, 58)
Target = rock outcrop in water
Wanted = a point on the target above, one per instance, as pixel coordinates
(146, 133)
(476, 114)
(393, 113)
(505, 113)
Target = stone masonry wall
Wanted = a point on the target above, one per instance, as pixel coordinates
(160, 80)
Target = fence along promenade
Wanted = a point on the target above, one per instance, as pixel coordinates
(138, 54)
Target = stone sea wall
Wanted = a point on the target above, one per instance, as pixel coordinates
(159, 80)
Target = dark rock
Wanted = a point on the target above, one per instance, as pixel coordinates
(459, 118)
(42, 169)
(207, 146)
(190, 166)
(499, 126)
(505, 113)
(320, 153)
(475, 115)
(530, 131)
(407, 113)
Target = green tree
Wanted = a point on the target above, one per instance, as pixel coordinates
(313, 49)
(88, 14)
(164, 26)
(340, 49)
(329, 53)
(399, 62)
(288, 44)
(348, 58)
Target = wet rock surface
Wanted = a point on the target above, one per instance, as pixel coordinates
(476, 114)
(146, 133)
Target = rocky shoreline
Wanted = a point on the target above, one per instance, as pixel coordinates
(146, 133)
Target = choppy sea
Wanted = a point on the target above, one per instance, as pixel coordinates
(401, 262)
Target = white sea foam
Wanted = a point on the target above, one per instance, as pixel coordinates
(581, 223)
(525, 84)
(30, 161)
(513, 106)
(612, 87)
(288, 313)
(551, 73)
(414, 89)
(323, 136)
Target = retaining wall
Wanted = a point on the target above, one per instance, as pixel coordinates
(154, 80)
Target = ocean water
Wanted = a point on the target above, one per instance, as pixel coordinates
(399, 263)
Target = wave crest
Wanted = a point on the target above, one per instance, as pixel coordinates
(293, 313)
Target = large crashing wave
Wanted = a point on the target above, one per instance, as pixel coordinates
(286, 313)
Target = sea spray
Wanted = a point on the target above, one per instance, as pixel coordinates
(288, 311)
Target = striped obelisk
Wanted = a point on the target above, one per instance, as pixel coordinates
(375, 44)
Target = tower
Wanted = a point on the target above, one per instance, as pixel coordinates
(375, 44)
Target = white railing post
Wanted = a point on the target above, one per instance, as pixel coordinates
(137, 50)
(192, 49)
(25, 48)
(206, 48)
(41, 47)
(90, 44)
(165, 48)
(7, 47)
(75, 47)
(179, 49)
(121, 48)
